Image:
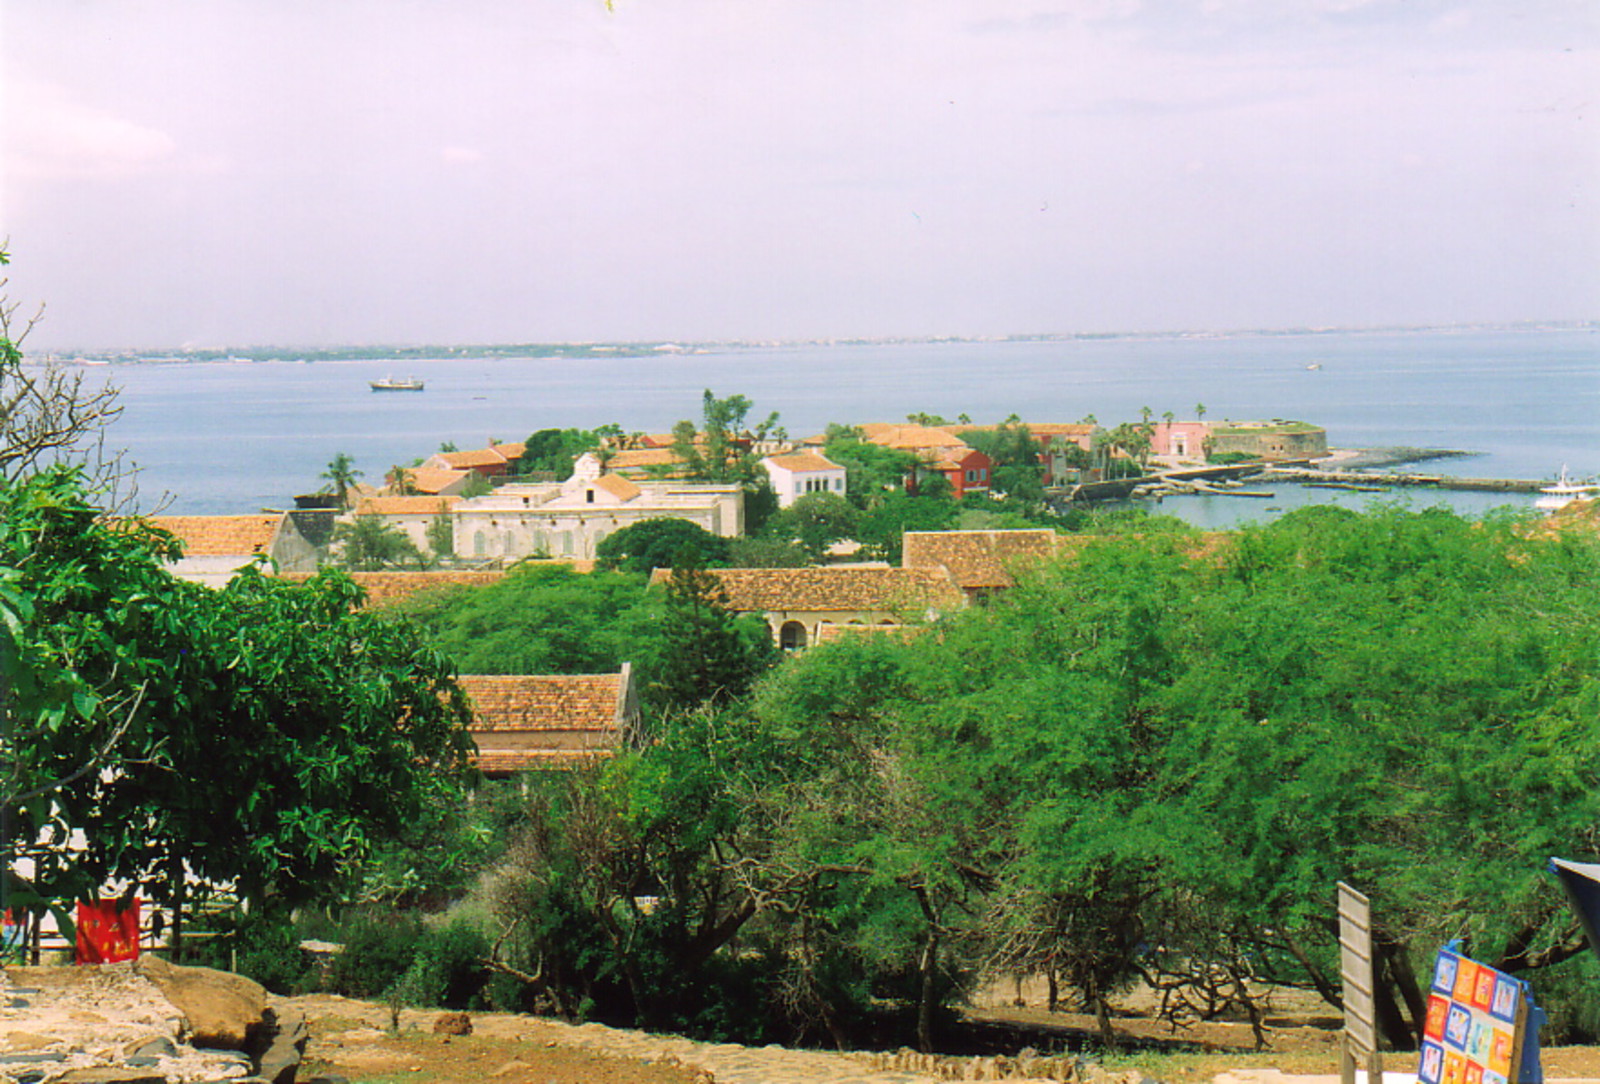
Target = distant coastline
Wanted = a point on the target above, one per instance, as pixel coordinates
(671, 348)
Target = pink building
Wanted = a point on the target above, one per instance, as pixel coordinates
(1181, 440)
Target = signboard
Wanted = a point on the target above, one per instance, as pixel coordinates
(1355, 970)
(1476, 1026)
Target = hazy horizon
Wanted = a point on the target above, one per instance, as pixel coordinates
(179, 174)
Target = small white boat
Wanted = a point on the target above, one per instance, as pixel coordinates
(389, 383)
(1564, 492)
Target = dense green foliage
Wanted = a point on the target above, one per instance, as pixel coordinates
(543, 619)
(554, 451)
(1156, 757)
(368, 544)
(265, 734)
(650, 544)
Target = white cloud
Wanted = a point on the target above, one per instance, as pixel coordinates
(48, 137)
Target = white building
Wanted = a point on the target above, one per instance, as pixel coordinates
(569, 519)
(798, 473)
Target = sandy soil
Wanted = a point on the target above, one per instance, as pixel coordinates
(353, 1039)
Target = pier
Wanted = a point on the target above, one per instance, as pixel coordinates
(1226, 480)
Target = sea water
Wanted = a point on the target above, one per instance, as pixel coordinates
(230, 437)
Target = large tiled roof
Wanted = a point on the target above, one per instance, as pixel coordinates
(978, 559)
(544, 721)
(845, 590)
(511, 450)
(618, 486)
(388, 588)
(543, 701)
(405, 506)
(643, 457)
(477, 457)
(1039, 430)
(432, 480)
(221, 536)
(909, 437)
(803, 461)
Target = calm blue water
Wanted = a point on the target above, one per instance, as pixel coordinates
(234, 437)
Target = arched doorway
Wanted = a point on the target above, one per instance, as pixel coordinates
(792, 636)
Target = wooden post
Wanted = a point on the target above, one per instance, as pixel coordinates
(1359, 1040)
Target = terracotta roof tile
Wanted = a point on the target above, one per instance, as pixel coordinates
(618, 486)
(477, 457)
(405, 506)
(643, 457)
(909, 437)
(221, 536)
(851, 590)
(549, 722)
(543, 702)
(510, 450)
(977, 559)
(388, 588)
(803, 461)
(431, 479)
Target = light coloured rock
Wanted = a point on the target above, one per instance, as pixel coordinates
(222, 1010)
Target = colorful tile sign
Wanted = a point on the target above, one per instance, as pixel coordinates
(1473, 1031)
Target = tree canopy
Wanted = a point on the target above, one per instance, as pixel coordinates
(264, 734)
(1153, 758)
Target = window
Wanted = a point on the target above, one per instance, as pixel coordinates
(588, 496)
(792, 636)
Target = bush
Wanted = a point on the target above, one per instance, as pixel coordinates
(448, 970)
(379, 946)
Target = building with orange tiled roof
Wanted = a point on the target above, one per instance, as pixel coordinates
(979, 562)
(215, 547)
(797, 602)
(434, 482)
(550, 722)
(636, 463)
(495, 461)
(795, 474)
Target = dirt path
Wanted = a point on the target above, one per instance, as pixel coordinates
(353, 1039)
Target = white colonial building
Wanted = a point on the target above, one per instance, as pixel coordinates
(798, 473)
(569, 519)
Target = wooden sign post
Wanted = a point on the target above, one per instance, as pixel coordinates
(1359, 1040)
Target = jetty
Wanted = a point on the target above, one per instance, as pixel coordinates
(1227, 481)
(1375, 481)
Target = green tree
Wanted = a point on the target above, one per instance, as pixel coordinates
(707, 657)
(882, 528)
(369, 545)
(263, 735)
(655, 543)
(871, 471)
(341, 475)
(816, 521)
(544, 619)
(554, 451)
(723, 450)
(441, 535)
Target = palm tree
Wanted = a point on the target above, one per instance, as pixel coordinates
(401, 483)
(342, 474)
(1200, 411)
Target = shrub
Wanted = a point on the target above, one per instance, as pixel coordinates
(379, 946)
(448, 969)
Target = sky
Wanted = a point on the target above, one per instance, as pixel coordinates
(214, 173)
